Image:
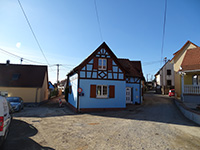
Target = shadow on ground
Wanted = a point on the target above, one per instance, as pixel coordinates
(19, 137)
(156, 108)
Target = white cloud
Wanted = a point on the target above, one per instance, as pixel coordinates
(18, 44)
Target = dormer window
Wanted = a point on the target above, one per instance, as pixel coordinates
(102, 65)
(15, 76)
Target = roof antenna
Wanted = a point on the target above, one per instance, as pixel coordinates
(165, 59)
(21, 60)
(7, 62)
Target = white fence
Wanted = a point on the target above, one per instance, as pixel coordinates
(191, 89)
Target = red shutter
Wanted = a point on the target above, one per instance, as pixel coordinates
(109, 64)
(112, 91)
(95, 66)
(92, 91)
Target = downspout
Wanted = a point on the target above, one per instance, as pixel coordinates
(36, 95)
(78, 97)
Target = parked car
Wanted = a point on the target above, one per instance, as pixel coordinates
(5, 119)
(17, 103)
(171, 92)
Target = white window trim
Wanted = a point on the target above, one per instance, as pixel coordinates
(100, 67)
(102, 96)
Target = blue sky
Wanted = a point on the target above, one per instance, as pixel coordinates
(68, 30)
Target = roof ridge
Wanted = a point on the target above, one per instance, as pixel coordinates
(23, 65)
(124, 59)
(185, 45)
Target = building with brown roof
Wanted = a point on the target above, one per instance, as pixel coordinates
(102, 81)
(177, 61)
(190, 71)
(30, 82)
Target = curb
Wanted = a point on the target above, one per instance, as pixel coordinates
(187, 112)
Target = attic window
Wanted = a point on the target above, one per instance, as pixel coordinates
(15, 76)
(102, 64)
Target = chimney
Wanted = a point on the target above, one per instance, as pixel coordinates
(7, 62)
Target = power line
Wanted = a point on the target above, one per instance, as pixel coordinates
(29, 24)
(66, 66)
(164, 23)
(95, 4)
(20, 57)
(151, 63)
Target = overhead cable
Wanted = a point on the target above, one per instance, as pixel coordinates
(29, 24)
(163, 36)
(95, 4)
(20, 57)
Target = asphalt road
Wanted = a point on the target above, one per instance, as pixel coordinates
(157, 124)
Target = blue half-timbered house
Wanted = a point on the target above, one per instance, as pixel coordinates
(102, 81)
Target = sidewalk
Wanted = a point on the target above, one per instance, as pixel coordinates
(189, 110)
(192, 106)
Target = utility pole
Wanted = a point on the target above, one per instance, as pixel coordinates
(147, 77)
(57, 72)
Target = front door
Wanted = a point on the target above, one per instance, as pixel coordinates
(128, 95)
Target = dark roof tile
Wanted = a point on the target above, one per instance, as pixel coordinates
(14, 75)
(133, 68)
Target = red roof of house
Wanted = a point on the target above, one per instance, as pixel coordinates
(177, 52)
(191, 60)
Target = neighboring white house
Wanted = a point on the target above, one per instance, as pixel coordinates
(165, 78)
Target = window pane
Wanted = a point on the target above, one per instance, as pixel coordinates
(168, 72)
(195, 80)
(169, 82)
(98, 90)
(104, 90)
(100, 63)
(104, 62)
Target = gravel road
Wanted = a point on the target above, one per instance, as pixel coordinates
(157, 124)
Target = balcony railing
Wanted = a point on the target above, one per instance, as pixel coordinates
(191, 89)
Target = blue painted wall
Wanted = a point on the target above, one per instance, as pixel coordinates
(136, 92)
(118, 102)
(73, 81)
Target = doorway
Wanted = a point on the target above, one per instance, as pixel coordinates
(128, 95)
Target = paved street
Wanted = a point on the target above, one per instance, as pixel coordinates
(157, 124)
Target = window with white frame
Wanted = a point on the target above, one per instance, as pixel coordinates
(102, 64)
(195, 79)
(102, 91)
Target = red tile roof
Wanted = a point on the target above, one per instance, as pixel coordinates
(191, 60)
(15, 75)
(177, 52)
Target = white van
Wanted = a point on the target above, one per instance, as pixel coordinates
(5, 119)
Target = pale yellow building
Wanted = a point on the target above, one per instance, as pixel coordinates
(177, 61)
(30, 82)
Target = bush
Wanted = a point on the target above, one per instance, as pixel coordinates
(54, 92)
